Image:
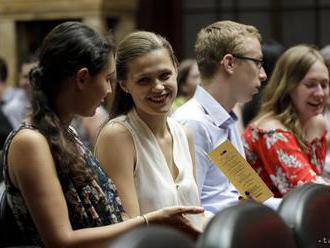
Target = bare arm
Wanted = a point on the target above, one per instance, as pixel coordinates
(53, 223)
(116, 152)
(42, 191)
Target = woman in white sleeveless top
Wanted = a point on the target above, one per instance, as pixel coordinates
(149, 156)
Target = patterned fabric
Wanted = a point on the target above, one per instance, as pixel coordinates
(96, 204)
(279, 160)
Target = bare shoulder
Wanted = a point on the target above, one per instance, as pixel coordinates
(29, 149)
(114, 131)
(115, 150)
(29, 140)
(318, 122)
(315, 127)
(113, 135)
(268, 123)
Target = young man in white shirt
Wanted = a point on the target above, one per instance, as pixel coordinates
(229, 58)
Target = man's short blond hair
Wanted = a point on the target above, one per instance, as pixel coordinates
(219, 39)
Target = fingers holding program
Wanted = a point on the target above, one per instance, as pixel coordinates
(247, 196)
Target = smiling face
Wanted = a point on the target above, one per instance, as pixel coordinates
(151, 81)
(310, 96)
(248, 76)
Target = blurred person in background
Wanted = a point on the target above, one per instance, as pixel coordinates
(17, 109)
(188, 79)
(6, 94)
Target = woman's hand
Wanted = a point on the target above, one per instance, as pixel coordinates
(175, 217)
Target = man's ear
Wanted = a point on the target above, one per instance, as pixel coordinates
(228, 62)
(82, 78)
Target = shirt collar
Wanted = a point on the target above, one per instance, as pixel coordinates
(214, 109)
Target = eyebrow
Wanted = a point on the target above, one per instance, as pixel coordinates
(314, 79)
(158, 72)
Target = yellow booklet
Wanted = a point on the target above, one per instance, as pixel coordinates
(239, 172)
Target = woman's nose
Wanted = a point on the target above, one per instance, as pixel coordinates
(158, 85)
(319, 91)
(108, 89)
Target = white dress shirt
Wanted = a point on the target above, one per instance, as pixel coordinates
(211, 125)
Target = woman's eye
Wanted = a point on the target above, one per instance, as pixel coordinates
(143, 81)
(324, 85)
(165, 76)
(111, 77)
(308, 85)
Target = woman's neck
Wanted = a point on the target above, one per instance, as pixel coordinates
(65, 117)
(64, 110)
(157, 123)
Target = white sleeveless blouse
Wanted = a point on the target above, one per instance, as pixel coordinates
(154, 183)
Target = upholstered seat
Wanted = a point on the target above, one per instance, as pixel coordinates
(306, 210)
(10, 234)
(1, 166)
(248, 224)
(2, 213)
(153, 237)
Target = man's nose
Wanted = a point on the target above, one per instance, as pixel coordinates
(262, 74)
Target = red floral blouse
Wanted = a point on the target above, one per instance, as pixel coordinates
(278, 159)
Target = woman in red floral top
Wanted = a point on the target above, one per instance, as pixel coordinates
(286, 143)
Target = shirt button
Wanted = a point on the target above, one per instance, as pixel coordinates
(177, 186)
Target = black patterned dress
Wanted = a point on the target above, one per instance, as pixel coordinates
(96, 204)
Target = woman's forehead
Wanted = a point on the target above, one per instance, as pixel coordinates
(150, 62)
